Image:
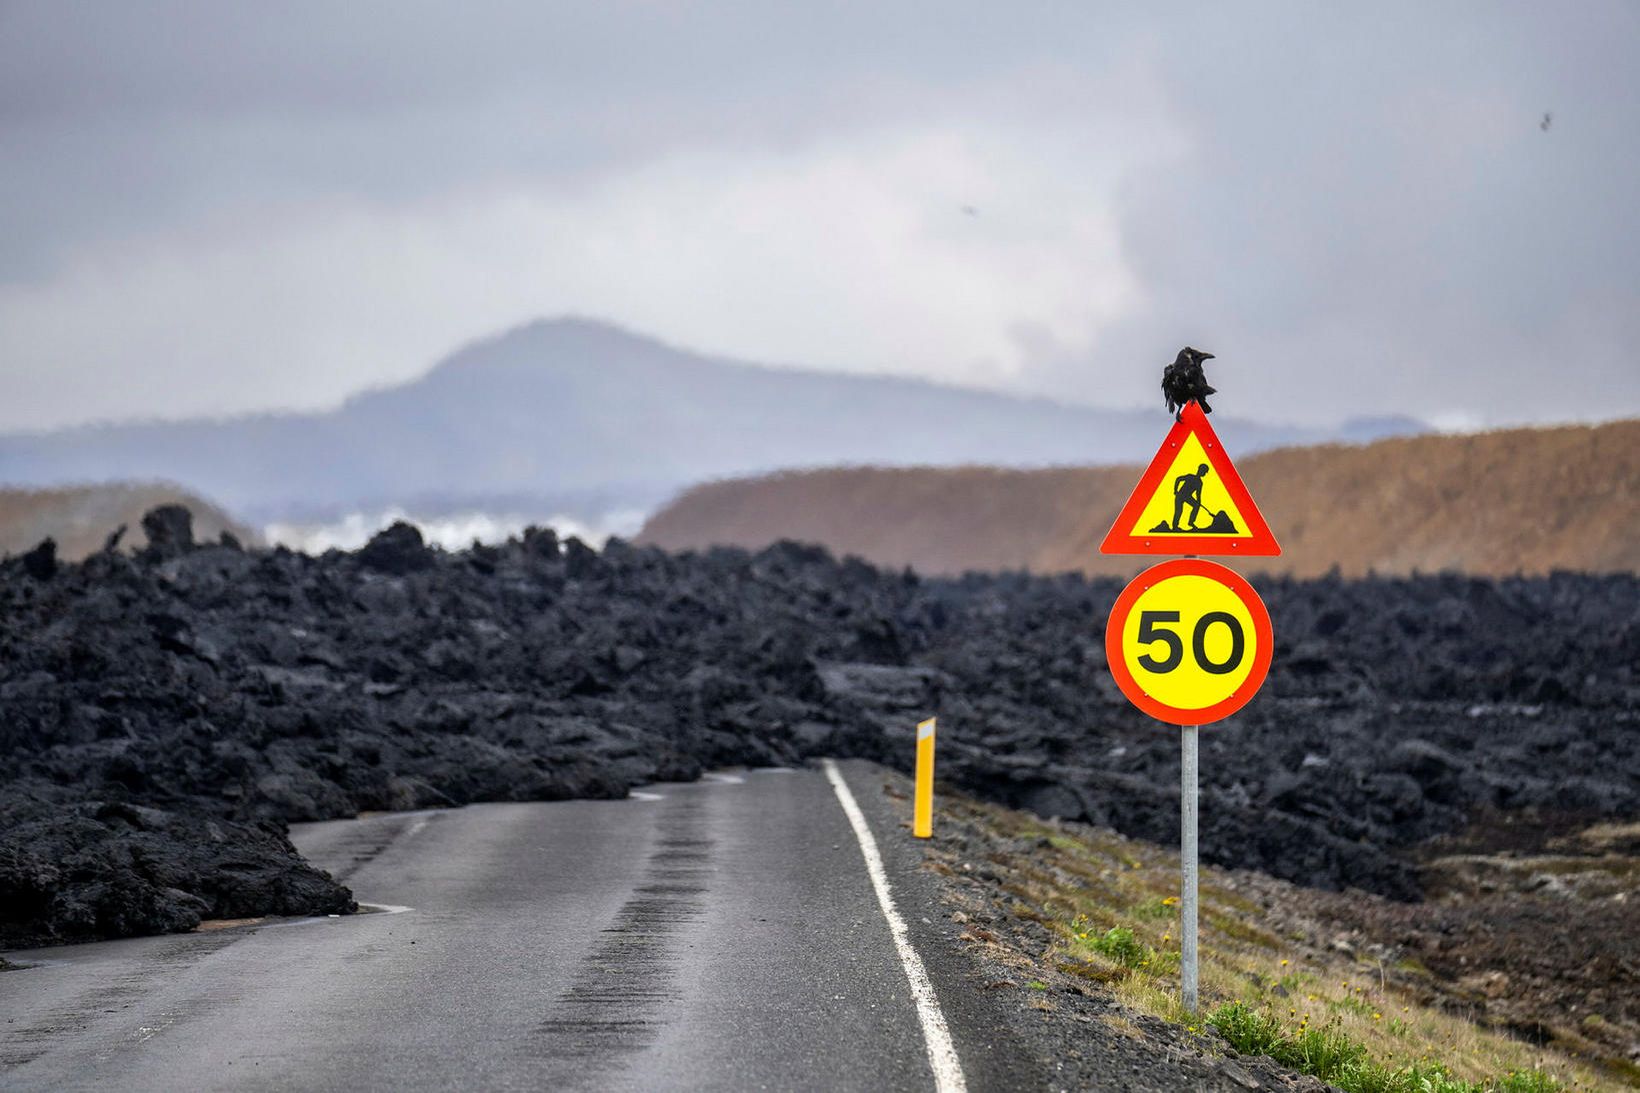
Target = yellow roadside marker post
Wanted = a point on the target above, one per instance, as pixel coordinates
(923, 814)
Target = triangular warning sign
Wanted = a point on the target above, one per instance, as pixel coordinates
(1190, 501)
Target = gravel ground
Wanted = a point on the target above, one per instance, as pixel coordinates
(1067, 1027)
(1551, 976)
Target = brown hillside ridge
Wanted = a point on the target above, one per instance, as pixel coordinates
(80, 518)
(1512, 501)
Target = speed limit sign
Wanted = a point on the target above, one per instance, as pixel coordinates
(1189, 641)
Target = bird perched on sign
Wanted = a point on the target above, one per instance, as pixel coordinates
(1183, 381)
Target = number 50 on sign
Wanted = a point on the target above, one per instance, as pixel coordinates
(1189, 642)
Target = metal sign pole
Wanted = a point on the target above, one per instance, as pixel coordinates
(1187, 865)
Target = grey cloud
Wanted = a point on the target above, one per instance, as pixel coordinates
(132, 118)
(1371, 217)
(1364, 215)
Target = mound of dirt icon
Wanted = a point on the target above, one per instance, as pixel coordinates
(1219, 524)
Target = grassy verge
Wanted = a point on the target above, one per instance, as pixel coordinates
(1331, 1054)
(1108, 906)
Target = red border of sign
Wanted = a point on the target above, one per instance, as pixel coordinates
(1264, 637)
(1259, 540)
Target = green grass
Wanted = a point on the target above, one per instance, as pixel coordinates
(1331, 1054)
(1249, 1031)
(1120, 945)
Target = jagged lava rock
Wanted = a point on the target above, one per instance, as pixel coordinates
(234, 688)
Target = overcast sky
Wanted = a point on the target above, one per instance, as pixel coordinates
(212, 208)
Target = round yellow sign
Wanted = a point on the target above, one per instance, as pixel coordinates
(1189, 641)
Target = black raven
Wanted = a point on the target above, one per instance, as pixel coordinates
(1183, 381)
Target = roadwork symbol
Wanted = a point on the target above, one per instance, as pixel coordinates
(1190, 500)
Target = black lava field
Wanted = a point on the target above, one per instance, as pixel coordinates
(165, 715)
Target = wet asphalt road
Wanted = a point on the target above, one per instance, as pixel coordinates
(723, 936)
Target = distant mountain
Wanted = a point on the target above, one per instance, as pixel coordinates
(577, 416)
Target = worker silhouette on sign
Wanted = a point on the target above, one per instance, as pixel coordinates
(1187, 490)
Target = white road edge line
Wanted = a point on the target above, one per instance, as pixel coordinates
(942, 1054)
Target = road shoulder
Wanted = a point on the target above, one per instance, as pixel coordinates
(986, 962)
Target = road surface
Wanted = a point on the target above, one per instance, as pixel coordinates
(718, 935)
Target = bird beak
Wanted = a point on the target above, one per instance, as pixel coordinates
(1207, 356)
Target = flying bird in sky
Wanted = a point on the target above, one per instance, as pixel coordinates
(1544, 124)
(1183, 381)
